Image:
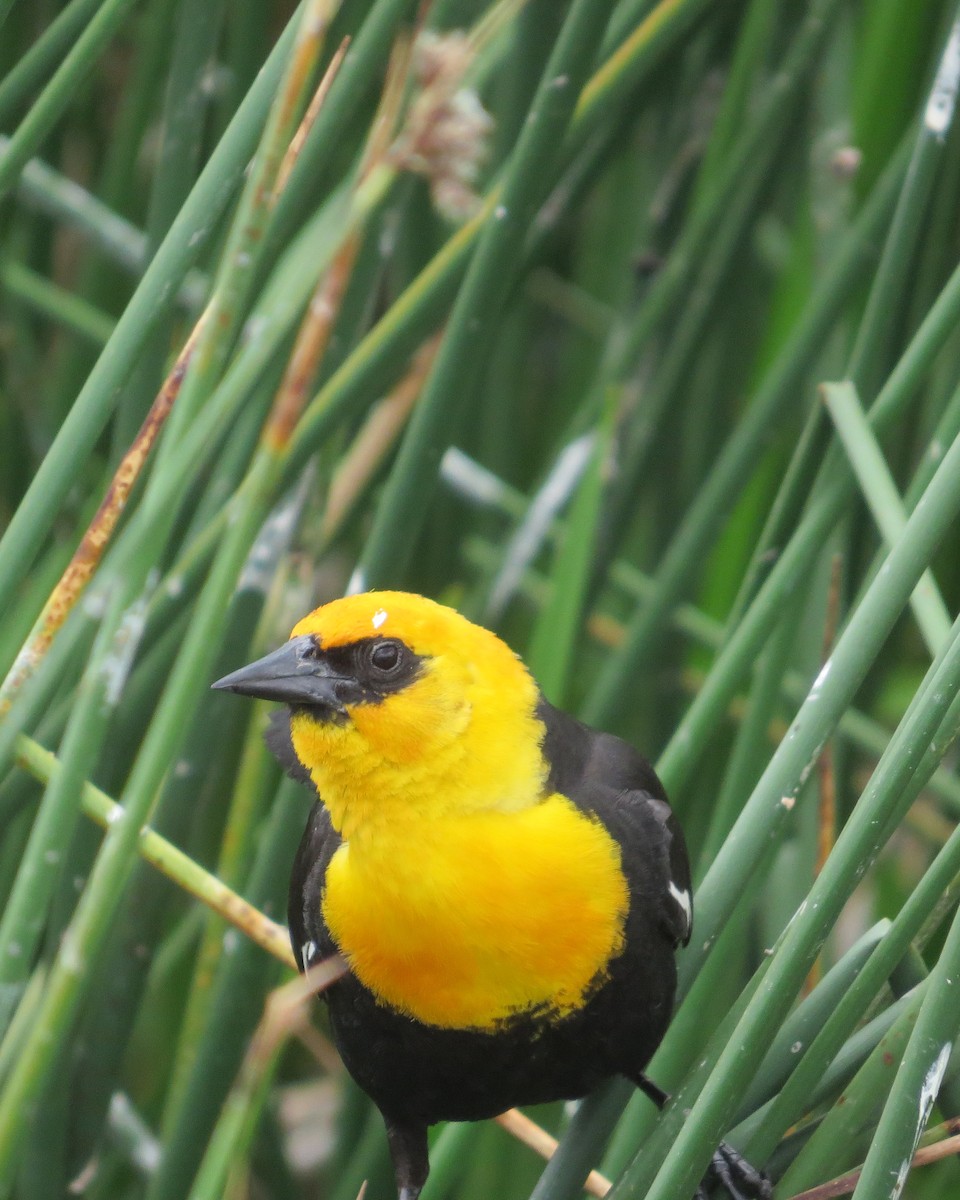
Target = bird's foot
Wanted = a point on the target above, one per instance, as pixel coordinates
(731, 1171)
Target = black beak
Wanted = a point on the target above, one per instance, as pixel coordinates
(295, 674)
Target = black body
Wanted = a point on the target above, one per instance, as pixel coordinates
(419, 1074)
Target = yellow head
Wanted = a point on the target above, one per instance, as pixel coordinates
(402, 709)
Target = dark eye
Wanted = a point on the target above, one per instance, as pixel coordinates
(385, 656)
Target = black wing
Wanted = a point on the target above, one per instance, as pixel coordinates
(604, 775)
(309, 936)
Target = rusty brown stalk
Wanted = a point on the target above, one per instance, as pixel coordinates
(87, 556)
(843, 1185)
(317, 325)
(828, 783)
(544, 1144)
(372, 444)
(305, 53)
(311, 344)
(319, 96)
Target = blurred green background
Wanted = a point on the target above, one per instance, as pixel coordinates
(634, 337)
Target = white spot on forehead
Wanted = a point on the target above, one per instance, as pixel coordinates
(379, 617)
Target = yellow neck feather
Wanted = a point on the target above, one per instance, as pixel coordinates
(445, 745)
(481, 916)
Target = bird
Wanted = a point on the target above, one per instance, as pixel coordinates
(507, 886)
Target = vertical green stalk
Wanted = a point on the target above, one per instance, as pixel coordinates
(864, 634)
(554, 645)
(186, 106)
(868, 358)
(763, 1134)
(758, 141)
(918, 1080)
(885, 799)
(404, 505)
(90, 411)
(94, 914)
(242, 979)
(730, 472)
(25, 914)
(881, 495)
(753, 737)
(51, 104)
(242, 253)
(746, 65)
(46, 49)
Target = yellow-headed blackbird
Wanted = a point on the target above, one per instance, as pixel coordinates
(507, 886)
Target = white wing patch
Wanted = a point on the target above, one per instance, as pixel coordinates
(683, 900)
(308, 952)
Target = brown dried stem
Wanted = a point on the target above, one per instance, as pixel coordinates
(544, 1144)
(374, 441)
(311, 344)
(177, 866)
(286, 1012)
(287, 1008)
(324, 308)
(843, 1185)
(827, 829)
(289, 160)
(87, 556)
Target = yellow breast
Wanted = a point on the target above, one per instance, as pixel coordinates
(481, 915)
